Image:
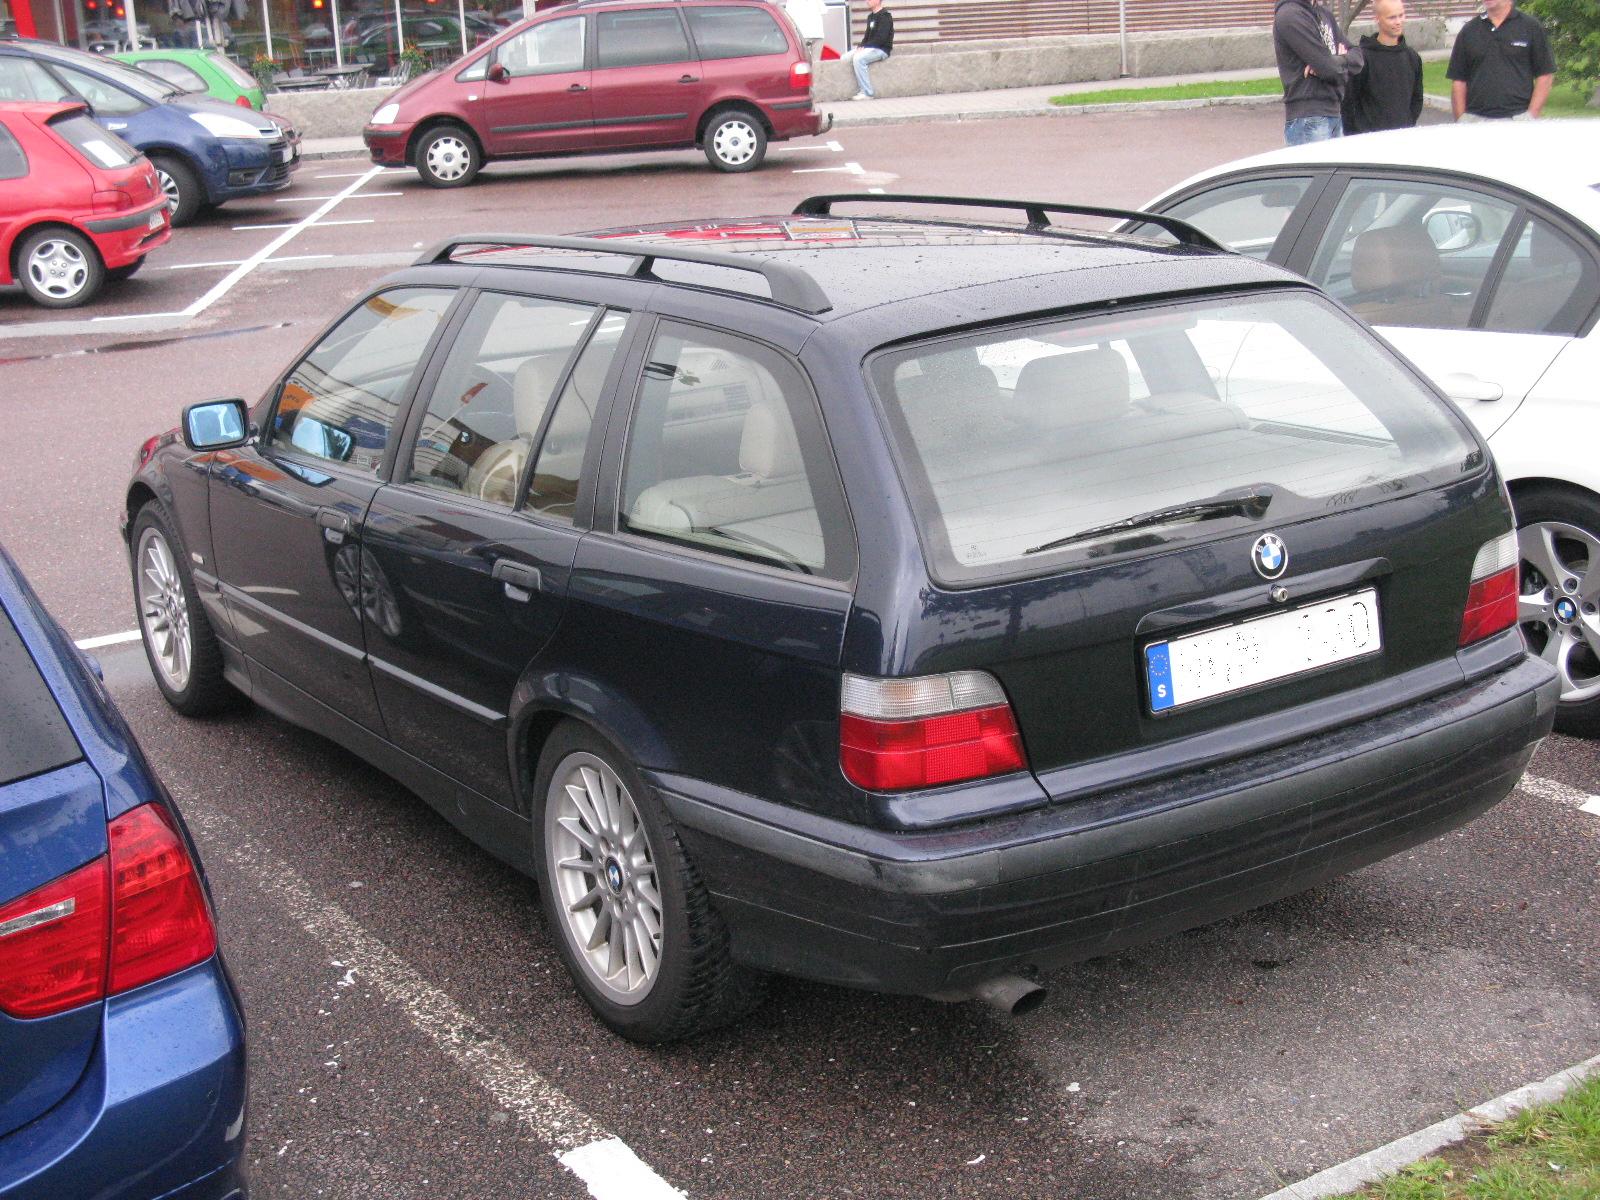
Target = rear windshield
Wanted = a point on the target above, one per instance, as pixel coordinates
(241, 78)
(1020, 447)
(102, 148)
(34, 737)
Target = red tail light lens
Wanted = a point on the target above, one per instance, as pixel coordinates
(111, 200)
(53, 945)
(160, 921)
(1492, 595)
(800, 76)
(902, 734)
(243, 102)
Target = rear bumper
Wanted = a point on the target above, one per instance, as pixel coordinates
(939, 911)
(126, 238)
(797, 118)
(160, 1111)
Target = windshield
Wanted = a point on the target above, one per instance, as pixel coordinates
(1026, 447)
(140, 83)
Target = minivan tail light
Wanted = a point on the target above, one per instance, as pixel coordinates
(160, 922)
(1492, 593)
(898, 735)
(53, 945)
(800, 76)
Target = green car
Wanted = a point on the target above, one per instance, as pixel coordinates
(208, 71)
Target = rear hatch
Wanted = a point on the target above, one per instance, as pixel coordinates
(52, 826)
(124, 180)
(1180, 532)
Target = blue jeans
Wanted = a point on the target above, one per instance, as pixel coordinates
(1312, 129)
(861, 58)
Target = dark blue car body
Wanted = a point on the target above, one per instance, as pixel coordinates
(142, 1094)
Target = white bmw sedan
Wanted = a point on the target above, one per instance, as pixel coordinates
(1475, 249)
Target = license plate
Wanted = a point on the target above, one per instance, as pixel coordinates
(285, 153)
(1204, 665)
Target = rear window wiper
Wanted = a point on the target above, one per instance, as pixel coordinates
(1252, 502)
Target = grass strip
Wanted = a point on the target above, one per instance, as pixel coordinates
(1549, 1152)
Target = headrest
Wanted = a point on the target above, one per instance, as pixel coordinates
(532, 388)
(767, 447)
(1396, 256)
(1074, 388)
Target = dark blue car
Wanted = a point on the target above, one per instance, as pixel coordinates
(122, 1069)
(205, 152)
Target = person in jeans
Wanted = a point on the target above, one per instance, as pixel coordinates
(1501, 65)
(1388, 92)
(1314, 63)
(876, 45)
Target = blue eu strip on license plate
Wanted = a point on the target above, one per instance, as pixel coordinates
(1158, 664)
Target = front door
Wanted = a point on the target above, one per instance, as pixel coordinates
(287, 510)
(534, 97)
(648, 84)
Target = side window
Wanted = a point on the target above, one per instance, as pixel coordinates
(13, 162)
(174, 73)
(544, 49)
(554, 488)
(339, 403)
(640, 37)
(1405, 253)
(106, 100)
(492, 395)
(1246, 217)
(735, 32)
(24, 79)
(1549, 286)
(726, 453)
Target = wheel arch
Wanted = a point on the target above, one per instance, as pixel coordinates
(730, 105)
(428, 124)
(14, 252)
(1533, 483)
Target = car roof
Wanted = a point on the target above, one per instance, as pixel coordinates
(1557, 160)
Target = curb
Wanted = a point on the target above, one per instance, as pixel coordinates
(1386, 1160)
(841, 121)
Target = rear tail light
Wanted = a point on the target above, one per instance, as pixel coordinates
(800, 76)
(122, 921)
(243, 102)
(1492, 595)
(112, 200)
(900, 734)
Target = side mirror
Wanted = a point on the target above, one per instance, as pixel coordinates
(216, 425)
(333, 442)
(1453, 229)
(498, 73)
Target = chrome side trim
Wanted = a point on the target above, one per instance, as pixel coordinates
(43, 916)
(473, 709)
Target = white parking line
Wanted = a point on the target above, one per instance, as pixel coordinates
(851, 168)
(234, 262)
(302, 224)
(1549, 789)
(357, 196)
(107, 639)
(609, 1169)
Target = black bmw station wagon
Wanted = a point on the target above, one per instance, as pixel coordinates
(910, 602)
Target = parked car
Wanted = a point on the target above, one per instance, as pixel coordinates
(1475, 249)
(899, 602)
(200, 72)
(613, 77)
(78, 205)
(120, 1031)
(205, 153)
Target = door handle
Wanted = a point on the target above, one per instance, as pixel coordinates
(1458, 385)
(335, 525)
(688, 79)
(521, 581)
(577, 87)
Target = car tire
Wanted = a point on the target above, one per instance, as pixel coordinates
(1558, 535)
(59, 267)
(735, 141)
(694, 984)
(447, 156)
(127, 271)
(178, 640)
(178, 180)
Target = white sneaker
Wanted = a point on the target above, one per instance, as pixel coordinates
(861, 96)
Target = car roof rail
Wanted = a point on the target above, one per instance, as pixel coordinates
(1038, 212)
(790, 287)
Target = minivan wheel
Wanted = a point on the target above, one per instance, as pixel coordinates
(1558, 534)
(626, 908)
(180, 185)
(178, 639)
(59, 268)
(447, 157)
(735, 141)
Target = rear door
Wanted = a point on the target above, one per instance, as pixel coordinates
(287, 510)
(648, 85)
(542, 104)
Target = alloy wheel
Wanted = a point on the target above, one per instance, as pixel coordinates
(735, 142)
(1559, 604)
(603, 874)
(58, 268)
(169, 189)
(164, 610)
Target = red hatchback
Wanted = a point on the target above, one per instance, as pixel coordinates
(78, 205)
(608, 76)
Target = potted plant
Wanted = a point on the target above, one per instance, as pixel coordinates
(265, 68)
(411, 61)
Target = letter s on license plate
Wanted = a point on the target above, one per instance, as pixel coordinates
(1203, 665)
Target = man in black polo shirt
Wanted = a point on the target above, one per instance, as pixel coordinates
(1501, 65)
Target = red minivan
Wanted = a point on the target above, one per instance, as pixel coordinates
(78, 205)
(606, 76)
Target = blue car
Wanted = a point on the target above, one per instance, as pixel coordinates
(205, 152)
(122, 1063)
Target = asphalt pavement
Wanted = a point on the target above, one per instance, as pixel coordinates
(412, 1032)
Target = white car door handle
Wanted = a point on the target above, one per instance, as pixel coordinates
(1460, 386)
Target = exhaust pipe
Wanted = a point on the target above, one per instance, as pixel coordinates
(1010, 995)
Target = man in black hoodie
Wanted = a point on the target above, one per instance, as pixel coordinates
(1314, 63)
(1388, 92)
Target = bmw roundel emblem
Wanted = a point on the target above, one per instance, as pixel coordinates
(1270, 556)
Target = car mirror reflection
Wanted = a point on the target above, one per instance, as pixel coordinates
(216, 425)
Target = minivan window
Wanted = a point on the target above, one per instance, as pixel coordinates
(640, 37)
(735, 31)
(544, 49)
(1016, 444)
